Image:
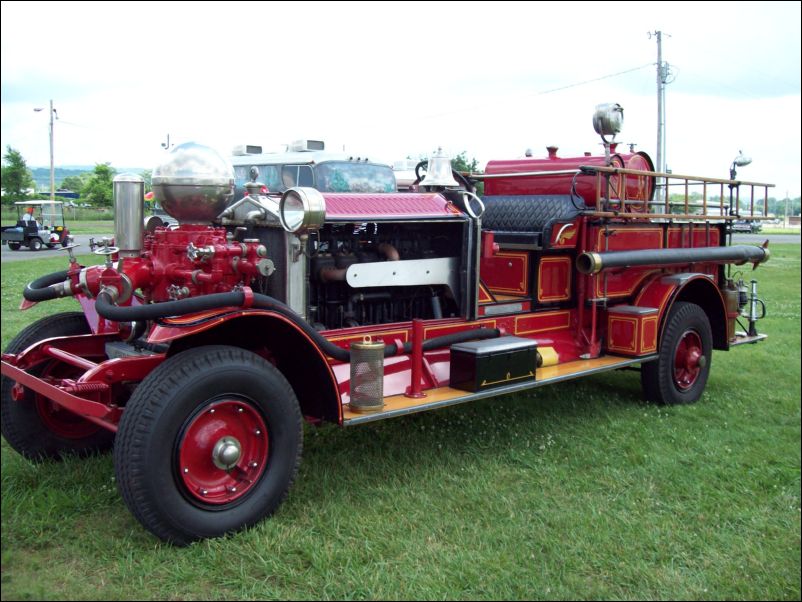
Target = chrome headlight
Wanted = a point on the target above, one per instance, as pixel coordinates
(302, 209)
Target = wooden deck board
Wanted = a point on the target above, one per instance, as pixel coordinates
(398, 405)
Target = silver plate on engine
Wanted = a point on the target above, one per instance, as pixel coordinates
(412, 272)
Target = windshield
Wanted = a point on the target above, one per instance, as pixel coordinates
(346, 176)
(46, 214)
(269, 175)
(329, 176)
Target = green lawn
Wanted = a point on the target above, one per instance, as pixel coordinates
(575, 491)
(100, 227)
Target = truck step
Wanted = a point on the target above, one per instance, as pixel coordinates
(399, 405)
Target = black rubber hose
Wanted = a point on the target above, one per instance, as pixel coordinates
(592, 263)
(153, 311)
(42, 288)
(108, 310)
(447, 340)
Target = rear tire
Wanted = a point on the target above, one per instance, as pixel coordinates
(35, 244)
(679, 374)
(14, 246)
(208, 444)
(36, 427)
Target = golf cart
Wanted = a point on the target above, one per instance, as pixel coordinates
(39, 223)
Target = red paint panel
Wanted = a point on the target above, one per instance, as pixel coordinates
(542, 322)
(648, 339)
(622, 283)
(507, 273)
(554, 279)
(637, 187)
(632, 334)
(655, 293)
(679, 238)
(622, 333)
(627, 239)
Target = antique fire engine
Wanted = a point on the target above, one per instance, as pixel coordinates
(200, 349)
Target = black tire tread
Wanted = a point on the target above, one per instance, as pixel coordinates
(656, 376)
(142, 413)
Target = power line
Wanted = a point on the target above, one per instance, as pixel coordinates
(590, 81)
(542, 92)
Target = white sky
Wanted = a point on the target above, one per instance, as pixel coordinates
(387, 80)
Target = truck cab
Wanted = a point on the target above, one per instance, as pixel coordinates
(306, 163)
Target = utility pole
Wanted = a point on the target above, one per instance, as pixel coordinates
(661, 91)
(662, 79)
(52, 165)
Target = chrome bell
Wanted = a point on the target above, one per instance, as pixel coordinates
(438, 172)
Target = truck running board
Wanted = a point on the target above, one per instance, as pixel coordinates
(741, 338)
(399, 405)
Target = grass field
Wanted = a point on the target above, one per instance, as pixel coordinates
(575, 491)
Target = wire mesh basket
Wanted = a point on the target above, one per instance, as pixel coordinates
(367, 376)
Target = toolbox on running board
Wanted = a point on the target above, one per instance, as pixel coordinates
(480, 365)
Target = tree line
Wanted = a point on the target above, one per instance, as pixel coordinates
(94, 187)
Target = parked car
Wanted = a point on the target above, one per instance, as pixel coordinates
(745, 225)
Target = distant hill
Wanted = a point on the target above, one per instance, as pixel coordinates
(41, 175)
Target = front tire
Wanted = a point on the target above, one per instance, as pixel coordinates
(679, 374)
(208, 444)
(36, 427)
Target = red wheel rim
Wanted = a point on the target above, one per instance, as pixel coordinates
(688, 360)
(61, 422)
(222, 451)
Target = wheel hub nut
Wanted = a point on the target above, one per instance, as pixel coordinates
(226, 453)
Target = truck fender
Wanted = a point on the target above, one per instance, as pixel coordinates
(663, 291)
(274, 337)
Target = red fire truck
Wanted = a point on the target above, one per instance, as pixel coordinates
(200, 350)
